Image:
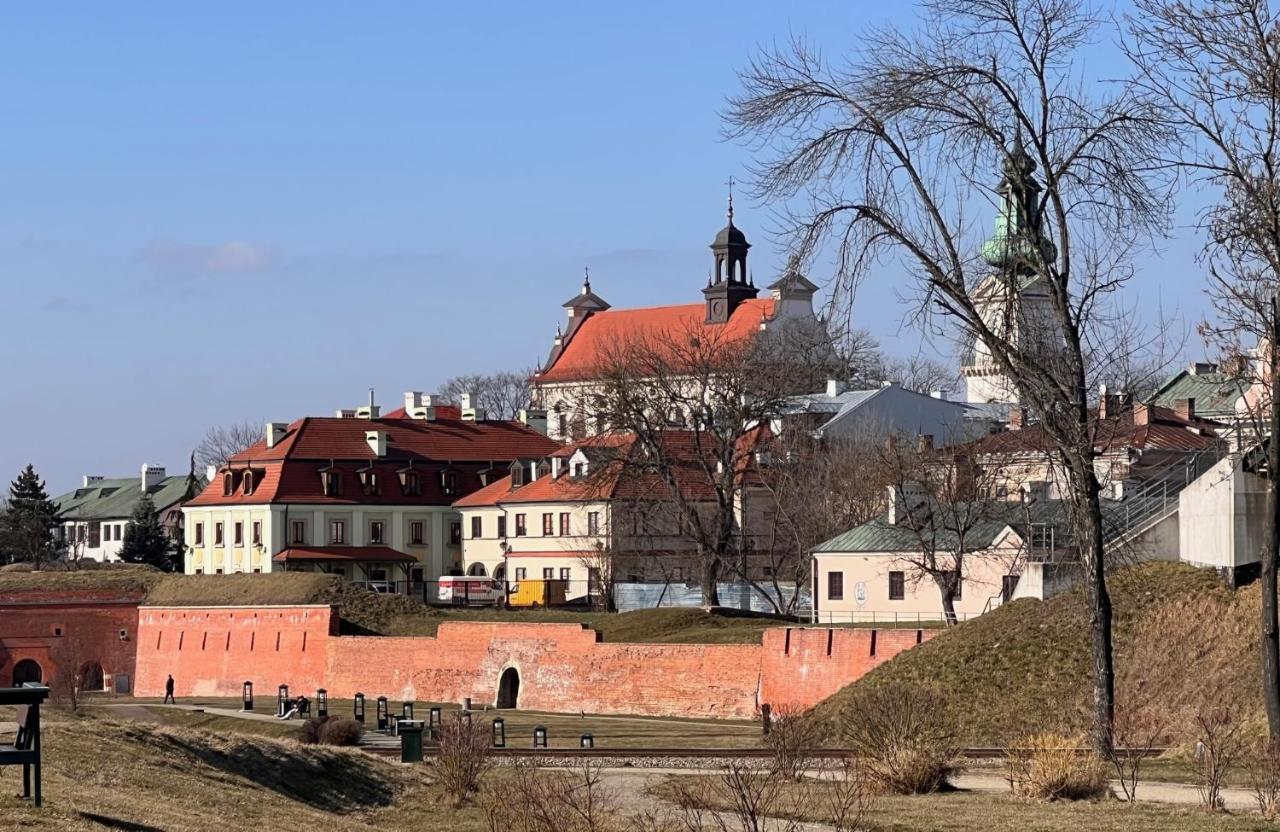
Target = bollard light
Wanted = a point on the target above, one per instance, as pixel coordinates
(540, 736)
(322, 703)
(499, 732)
(358, 712)
(766, 718)
(406, 710)
(248, 696)
(587, 741)
(282, 696)
(382, 713)
(433, 717)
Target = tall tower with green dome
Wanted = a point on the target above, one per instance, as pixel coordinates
(1013, 299)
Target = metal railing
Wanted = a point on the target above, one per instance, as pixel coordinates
(889, 619)
(1157, 496)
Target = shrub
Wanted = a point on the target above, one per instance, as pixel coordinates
(1051, 767)
(533, 800)
(340, 731)
(1219, 742)
(792, 734)
(1264, 776)
(903, 743)
(311, 729)
(464, 756)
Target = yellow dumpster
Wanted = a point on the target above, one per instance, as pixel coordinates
(537, 593)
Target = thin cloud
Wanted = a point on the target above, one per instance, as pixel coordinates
(232, 257)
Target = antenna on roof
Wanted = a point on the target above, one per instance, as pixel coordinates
(370, 399)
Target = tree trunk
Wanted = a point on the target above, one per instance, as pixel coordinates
(949, 604)
(1089, 524)
(710, 580)
(1271, 546)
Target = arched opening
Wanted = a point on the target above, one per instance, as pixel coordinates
(476, 570)
(500, 572)
(25, 671)
(509, 688)
(91, 677)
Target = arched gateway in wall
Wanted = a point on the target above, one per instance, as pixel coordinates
(509, 688)
(25, 671)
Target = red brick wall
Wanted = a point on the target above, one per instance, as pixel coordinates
(212, 651)
(90, 623)
(562, 667)
(801, 666)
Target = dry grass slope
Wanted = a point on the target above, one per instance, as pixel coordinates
(1181, 639)
(107, 775)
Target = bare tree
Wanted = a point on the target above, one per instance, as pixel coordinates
(808, 492)
(696, 402)
(948, 503)
(1215, 65)
(882, 158)
(923, 375)
(501, 395)
(222, 442)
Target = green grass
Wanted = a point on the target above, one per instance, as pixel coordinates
(226, 724)
(1026, 667)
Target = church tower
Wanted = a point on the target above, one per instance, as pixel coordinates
(1013, 299)
(729, 284)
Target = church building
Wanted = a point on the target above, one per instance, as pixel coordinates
(731, 310)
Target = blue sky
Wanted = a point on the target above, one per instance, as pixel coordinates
(258, 210)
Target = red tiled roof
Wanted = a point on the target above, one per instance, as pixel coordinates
(343, 553)
(290, 471)
(588, 346)
(1165, 430)
(614, 481)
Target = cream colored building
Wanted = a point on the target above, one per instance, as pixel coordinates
(365, 496)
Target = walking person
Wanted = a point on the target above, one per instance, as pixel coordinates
(168, 691)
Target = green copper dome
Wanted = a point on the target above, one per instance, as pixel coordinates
(1018, 239)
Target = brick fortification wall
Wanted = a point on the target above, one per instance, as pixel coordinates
(64, 631)
(561, 667)
(212, 651)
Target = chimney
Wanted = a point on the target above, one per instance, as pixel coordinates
(344, 414)
(900, 499)
(89, 479)
(924, 443)
(369, 411)
(275, 432)
(938, 394)
(210, 473)
(465, 399)
(556, 464)
(1017, 418)
(1185, 408)
(151, 476)
(1141, 414)
(1200, 368)
(835, 387)
(377, 440)
(536, 418)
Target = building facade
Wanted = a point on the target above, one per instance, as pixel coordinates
(362, 495)
(91, 520)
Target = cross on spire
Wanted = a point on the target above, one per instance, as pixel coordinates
(730, 184)
(586, 279)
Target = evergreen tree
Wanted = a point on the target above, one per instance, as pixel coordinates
(145, 540)
(26, 527)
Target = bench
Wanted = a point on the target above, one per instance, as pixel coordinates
(25, 749)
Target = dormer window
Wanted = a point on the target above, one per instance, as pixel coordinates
(517, 474)
(449, 483)
(369, 481)
(331, 481)
(410, 481)
(249, 482)
(579, 469)
(228, 484)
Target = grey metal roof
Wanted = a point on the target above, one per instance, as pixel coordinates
(113, 499)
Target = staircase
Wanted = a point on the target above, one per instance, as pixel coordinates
(1154, 497)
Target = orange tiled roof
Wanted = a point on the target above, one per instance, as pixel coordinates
(587, 346)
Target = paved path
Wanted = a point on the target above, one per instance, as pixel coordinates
(1179, 794)
(129, 710)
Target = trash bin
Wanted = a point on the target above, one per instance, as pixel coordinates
(411, 741)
